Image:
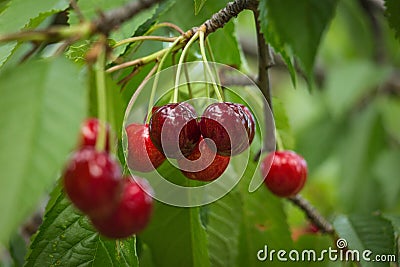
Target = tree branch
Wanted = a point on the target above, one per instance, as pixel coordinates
(109, 20)
(379, 47)
(231, 10)
(311, 213)
(265, 62)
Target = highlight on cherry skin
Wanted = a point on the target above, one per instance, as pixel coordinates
(133, 212)
(142, 156)
(174, 130)
(284, 172)
(229, 126)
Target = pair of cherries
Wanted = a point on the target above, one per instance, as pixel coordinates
(117, 206)
(202, 148)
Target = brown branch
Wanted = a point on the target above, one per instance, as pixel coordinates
(231, 10)
(311, 213)
(379, 46)
(110, 20)
(265, 62)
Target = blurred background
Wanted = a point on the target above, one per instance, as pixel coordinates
(347, 126)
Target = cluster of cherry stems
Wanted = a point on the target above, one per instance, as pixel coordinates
(121, 206)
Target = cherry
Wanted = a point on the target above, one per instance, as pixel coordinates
(92, 181)
(89, 132)
(133, 212)
(174, 130)
(143, 156)
(229, 126)
(251, 128)
(204, 163)
(287, 174)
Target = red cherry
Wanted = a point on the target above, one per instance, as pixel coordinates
(133, 212)
(92, 181)
(251, 123)
(143, 156)
(206, 164)
(287, 174)
(174, 130)
(89, 132)
(225, 124)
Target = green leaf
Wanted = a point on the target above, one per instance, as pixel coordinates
(66, 238)
(198, 5)
(181, 230)
(225, 46)
(17, 249)
(392, 14)
(223, 229)
(367, 232)
(299, 25)
(350, 82)
(264, 222)
(42, 113)
(272, 38)
(18, 15)
(20, 12)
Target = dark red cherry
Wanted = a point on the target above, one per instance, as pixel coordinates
(284, 172)
(203, 164)
(251, 123)
(133, 212)
(174, 130)
(89, 132)
(143, 156)
(92, 181)
(228, 125)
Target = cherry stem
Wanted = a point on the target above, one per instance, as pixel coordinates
(179, 70)
(144, 82)
(144, 38)
(185, 70)
(157, 76)
(203, 54)
(169, 25)
(210, 52)
(101, 99)
(279, 143)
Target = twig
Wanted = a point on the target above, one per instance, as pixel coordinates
(77, 10)
(379, 47)
(231, 10)
(109, 20)
(311, 213)
(265, 62)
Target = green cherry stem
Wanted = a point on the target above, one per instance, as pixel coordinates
(179, 70)
(144, 38)
(211, 53)
(101, 99)
(157, 76)
(279, 142)
(203, 54)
